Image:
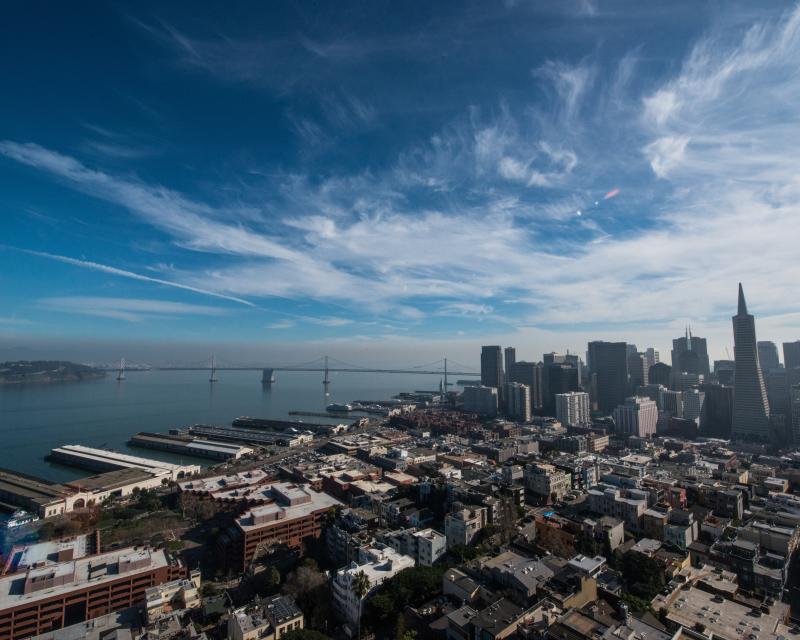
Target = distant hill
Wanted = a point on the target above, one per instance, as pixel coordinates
(45, 371)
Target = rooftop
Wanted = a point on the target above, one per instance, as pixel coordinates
(724, 618)
(23, 588)
(290, 501)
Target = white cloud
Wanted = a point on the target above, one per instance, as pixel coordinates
(719, 134)
(281, 324)
(666, 154)
(329, 321)
(127, 309)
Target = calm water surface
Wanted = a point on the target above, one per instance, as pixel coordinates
(105, 413)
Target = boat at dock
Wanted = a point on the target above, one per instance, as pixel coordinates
(339, 407)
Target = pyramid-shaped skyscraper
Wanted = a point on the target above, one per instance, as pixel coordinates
(750, 405)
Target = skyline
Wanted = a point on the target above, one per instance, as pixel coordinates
(411, 183)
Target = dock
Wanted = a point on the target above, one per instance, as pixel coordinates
(190, 446)
(76, 455)
(259, 437)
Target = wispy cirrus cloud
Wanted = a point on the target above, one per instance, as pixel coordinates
(127, 309)
(485, 209)
(114, 271)
(281, 324)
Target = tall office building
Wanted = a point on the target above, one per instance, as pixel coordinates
(608, 362)
(693, 401)
(652, 357)
(511, 358)
(660, 373)
(794, 399)
(671, 403)
(575, 361)
(557, 378)
(529, 373)
(636, 417)
(724, 370)
(492, 367)
(638, 370)
(518, 401)
(572, 409)
(717, 415)
(690, 354)
(750, 405)
(553, 358)
(791, 354)
(768, 355)
(777, 383)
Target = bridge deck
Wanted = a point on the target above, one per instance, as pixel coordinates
(321, 369)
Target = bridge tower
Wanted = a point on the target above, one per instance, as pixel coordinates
(445, 375)
(213, 377)
(326, 383)
(121, 370)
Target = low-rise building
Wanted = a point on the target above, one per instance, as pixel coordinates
(175, 595)
(462, 526)
(268, 620)
(426, 546)
(546, 483)
(627, 505)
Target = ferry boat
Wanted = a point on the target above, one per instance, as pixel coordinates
(20, 518)
(336, 406)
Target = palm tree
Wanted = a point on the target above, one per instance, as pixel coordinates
(360, 585)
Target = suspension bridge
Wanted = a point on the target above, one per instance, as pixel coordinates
(322, 364)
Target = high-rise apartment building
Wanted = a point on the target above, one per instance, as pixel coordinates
(529, 373)
(791, 354)
(750, 405)
(768, 355)
(518, 401)
(608, 362)
(572, 409)
(492, 366)
(637, 417)
(690, 354)
(511, 358)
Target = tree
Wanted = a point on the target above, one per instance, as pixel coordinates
(304, 634)
(308, 586)
(273, 579)
(361, 584)
(413, 586)
(643, 575)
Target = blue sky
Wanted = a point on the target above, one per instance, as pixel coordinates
(398, 175)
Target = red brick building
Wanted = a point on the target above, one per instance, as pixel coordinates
(52, 594)
(296, 514)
